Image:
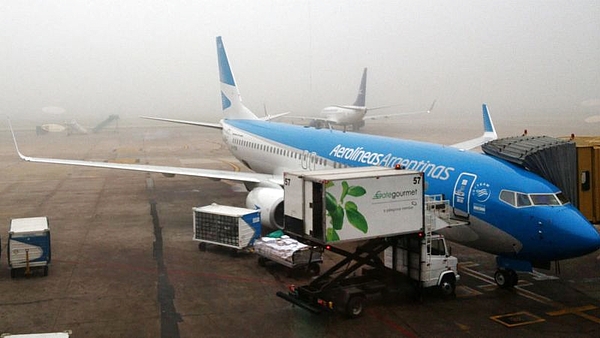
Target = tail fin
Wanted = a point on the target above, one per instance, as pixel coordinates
(362, 91)
(231, 100)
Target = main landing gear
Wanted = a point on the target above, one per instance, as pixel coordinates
(506, 278)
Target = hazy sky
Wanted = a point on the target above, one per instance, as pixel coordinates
(158, 57)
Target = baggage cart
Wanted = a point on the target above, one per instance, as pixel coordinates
(28, 245)
(226, 226)
(290, 253)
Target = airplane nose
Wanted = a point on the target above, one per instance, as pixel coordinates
(580, 236)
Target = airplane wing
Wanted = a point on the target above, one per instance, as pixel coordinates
(385, 116)
(193, 123)
(166, 170)
(489, 133)
(271, 117)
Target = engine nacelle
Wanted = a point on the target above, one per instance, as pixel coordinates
(269, 199)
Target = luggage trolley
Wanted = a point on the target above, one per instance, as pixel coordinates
(290, 253)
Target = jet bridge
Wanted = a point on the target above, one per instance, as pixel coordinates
(104, 123)
(551, 158)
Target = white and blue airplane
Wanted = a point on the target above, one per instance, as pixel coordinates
(512, 213)
(353, 115)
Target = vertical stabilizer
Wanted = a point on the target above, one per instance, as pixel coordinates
(362, 91)
(231, 100)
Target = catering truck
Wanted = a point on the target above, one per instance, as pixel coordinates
(28, 245)
(383, 212)
(342, 205)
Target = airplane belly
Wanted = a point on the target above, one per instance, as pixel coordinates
(483, 236)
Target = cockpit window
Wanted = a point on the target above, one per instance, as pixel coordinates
(508, 197)
(562, 198)
(523, 200)
(518, 199)
(544, 199)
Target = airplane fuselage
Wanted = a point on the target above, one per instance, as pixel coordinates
(344, 115)
(473, 183)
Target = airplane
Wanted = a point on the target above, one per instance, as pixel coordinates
(354, 115)
(511, 212)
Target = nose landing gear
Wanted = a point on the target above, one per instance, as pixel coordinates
(506, 278)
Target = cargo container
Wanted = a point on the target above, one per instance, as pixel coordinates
(226, 226)
(347, 205)
(29, 245)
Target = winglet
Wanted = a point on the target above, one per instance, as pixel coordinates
(489, 131)
(15, 140)
(431, 108)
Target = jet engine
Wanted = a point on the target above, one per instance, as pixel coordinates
(269, 199)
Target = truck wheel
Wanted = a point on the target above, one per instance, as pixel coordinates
(262, 261)
(448, 286)
(13, 273)
(314, 269)
(355, 306)
(46, 270)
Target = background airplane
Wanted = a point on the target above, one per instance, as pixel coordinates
(508, 211)
(354, 115)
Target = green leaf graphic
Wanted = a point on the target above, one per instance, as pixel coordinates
(356, 218)
(344, 191)
(330, 202)
(351, 205)
(332, 235)
(356, 191)
(337, 218)
(329, 184)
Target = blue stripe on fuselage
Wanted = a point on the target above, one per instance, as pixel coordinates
(441, 164)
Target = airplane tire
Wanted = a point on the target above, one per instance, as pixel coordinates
(513, 277)
(506, 278)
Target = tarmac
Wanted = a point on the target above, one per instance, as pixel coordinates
(124, 263)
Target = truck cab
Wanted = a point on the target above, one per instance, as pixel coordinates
(425, 258)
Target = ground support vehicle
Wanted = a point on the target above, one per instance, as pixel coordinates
(381, 208)
(28, 245)
(339, 289)
(290, 253)
(227, 226)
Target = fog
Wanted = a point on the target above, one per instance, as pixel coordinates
(534, 59)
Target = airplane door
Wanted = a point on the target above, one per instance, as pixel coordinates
(308, 160)
(462, 192)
